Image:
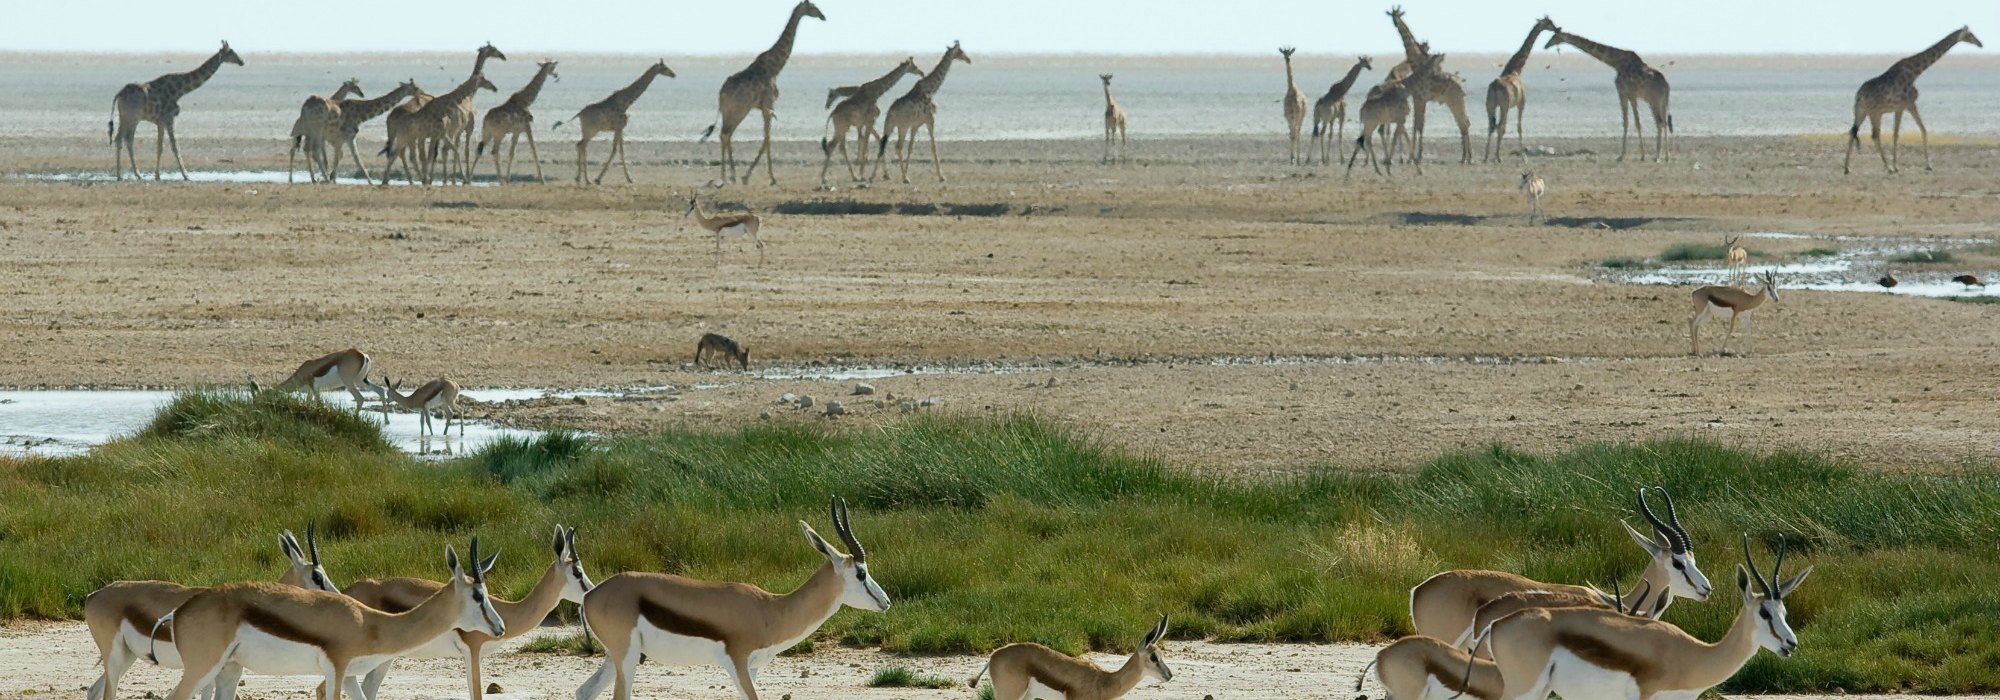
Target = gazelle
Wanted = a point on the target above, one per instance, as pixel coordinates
(712, 344)
(123, 616)
(1598, 653)
(279, 630)
(1535, 187)
(439, 395)
(1026, 671)
(679, 621)
(1738, 258)
(1426, 668)
(1444, 605)
(727, 224)
(563, 580)
(1517, 601)
(1734, 300)
(348, 369)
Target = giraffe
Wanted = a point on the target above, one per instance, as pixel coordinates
(157, 101)
(432, 130)
(354, 113)
(404, 120)
(1636, 81)
(1507, 92)
(1895, 91)
(1427, 86)
(916, 108)
(1331, 109)
(756, 87)
(608, 114)
(858, 111)
(1295, 103)
(1114, 121)
(460, 120)
(310, 129)
(513, 120)
(1388, 103)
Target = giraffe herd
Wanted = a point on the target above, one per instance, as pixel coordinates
(432, 137)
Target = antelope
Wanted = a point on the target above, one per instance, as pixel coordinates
(279, 630)
(563, 580)
(439, 395)
(1535, 187)
(1737, 302)
(1598, 653)
(1445, 605)
(727, 224)
(679, 621)
(714, 344)
(1738, 259)
(347, 368)
(124, 615)
(1426, 668)
(1025, 671)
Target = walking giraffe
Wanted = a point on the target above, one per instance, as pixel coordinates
(1636, 81)
(1895, 91)
(317, 117)
(434, 131)
(608, 114)
(916, 108)
(403, 120)
(1331, 110)
(1114, 120)
(1295, 103)
(1388, 103)
(1508, 92)
(860, 106)
(1427, 86)
(354, 113)
(512, 120)
(157, 101)
(756, 87)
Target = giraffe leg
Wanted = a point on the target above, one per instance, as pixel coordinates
(582, 148)
(1625, 128)
(930, 128)
(175, 145)
(1853, 142)
(1896, 142)
(728, 138)
(619, 139)
(1520, 139)
(1661, 124)
(1925, 132)
(1875, 134)
(159, 148)
(532, 153)
(609, 156)
(770, 159)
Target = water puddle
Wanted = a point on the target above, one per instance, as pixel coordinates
(1855, 267)
(70, 422)
(260, 177)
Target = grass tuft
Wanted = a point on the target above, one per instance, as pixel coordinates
(1625, 263)
(291, 419)
(1819, 252)
(1689, 250)
(510, 457)
(1920, 257)
(567, 644)
(902, 677)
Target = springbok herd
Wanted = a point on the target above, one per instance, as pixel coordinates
(432, 135)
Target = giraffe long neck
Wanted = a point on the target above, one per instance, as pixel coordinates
(460, 93)
(343, 92)
(1411, 51)
(1520, 58)
(1916, 64)
(1346, 82)
(194, 78)
(1107, 95)
(526, 95)
(873, 89)
(479, 64)
(629, 94)
(930, 83)
(1289, 83)
(357, 111)
(1617, 58)
(773, 59)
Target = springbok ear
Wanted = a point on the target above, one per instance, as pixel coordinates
(1785, 589)
(1652, 548)
(818, 542)
(486, 566)
(558, 546)
(1743, 580)
(290, 545)
(451, 560)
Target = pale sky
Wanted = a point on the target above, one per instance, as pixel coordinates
(683, 27)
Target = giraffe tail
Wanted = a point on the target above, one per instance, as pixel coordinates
(1670, 123)
(884, 148)
(705, 133)
(559, 122)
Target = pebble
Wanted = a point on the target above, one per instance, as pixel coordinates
(789, 398)
(863, 389)
(833, 408)
(806, 401)
(494, 689)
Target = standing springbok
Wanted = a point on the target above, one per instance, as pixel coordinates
(1738, 259)
(1426, 668)
(677, 621)
(1025, 671)
(348, 369)
(1535, 187)
(279, 630)
(563, 580)
(1445, 605)
(1734, 300)
(1598, 653)
(439, 395)
(123, 616)
(727, 224)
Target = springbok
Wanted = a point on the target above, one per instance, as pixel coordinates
(1599, 653)
(679, 621)
(712, 344)
(348, 369)
(439, 395)
(279, 630)
(1445, 605)
(123, 616)
(1738, 259)
(563, 580)
(1025, 671)
(1535, 187)
(1426, 668)
(727, 224)
(1734, 300)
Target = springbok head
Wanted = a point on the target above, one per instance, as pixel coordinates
(858, 589)
(1671, 550)
(1149, 651)
(1767, 599)
(476, 613)
(306, 570)
(569, 566)
(1770, 281)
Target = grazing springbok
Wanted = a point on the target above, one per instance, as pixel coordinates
(563, 580)
(1599, 653)
(439, 395)
(279, 630)
(721, 224)
(1737, 302)
(678, 621)
(712, 344)
(1535, 187)
(1445, 605)
(347, 369)
(123, 616)
(1025, 671)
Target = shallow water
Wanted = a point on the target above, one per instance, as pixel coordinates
(1854, 269)
(276, 177)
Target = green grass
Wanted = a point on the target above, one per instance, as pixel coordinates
(1819, 252)
(901, 677)
(569, 644)
(1689, 250)
(1625, 263)
(1001, 529)
(1920, 257)
(1976, 300)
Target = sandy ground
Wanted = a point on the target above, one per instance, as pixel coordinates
(1116, 287)
(58, 661)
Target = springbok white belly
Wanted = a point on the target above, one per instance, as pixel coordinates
(135, 639)
(669, 649)
(443, 646)
(268, 654)
(1576, 678)
(734, 230)
(1037, 691)
(1434, 690)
